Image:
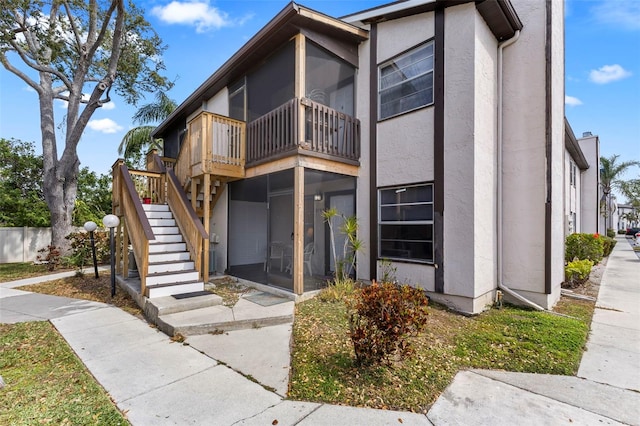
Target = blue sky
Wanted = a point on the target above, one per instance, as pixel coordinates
(602, 69)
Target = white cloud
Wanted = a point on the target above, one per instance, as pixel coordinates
(104, 125)
(572, 101)
(622, 14)
(108, 106)
(608, 73)
(196, 13)
(29, 89)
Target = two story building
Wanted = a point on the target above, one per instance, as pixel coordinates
(438, 124)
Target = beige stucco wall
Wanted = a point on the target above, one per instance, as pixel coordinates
(405, 143)
(470, 162)
(590, 186)
(524, 166)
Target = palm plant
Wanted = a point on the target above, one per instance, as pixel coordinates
(138, 140)
(610, 173)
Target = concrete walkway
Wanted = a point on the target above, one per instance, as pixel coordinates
(240, 377)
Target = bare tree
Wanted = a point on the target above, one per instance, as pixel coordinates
(76, 51)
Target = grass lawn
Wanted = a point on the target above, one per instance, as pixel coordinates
(46, 383)
(18, 271)
(512, 339)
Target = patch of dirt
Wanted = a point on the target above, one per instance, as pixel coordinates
(228, 288)
(87, 287)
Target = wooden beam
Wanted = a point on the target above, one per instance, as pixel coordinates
(125, 248)
(300, 82)
(206, 219)
(298, 230)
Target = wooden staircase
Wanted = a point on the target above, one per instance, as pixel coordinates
(197, 187)
(170, 270)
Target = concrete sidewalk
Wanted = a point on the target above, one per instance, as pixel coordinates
(240, 377)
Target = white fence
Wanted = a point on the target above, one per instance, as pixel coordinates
(22, 244)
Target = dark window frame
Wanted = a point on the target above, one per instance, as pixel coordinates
(407, 208)
(428, 73)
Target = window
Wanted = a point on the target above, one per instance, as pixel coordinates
(405, 220)
(406, 82)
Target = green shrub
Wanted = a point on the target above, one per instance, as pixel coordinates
(383, 317)
(337, 290)
(81, 255)
(622, 231)
(608, 244)
(577, 272)
(584, 246)
(611, 233)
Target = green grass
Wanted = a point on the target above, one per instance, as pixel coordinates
(18, 271)
(46, 383)
(513, 339)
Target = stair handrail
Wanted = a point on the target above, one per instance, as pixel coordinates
(192, 230)
(136, 222)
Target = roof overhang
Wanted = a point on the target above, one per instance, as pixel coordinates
(572, 146)
(285, 25)
(499, 15)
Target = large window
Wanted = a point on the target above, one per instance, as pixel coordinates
(406, 82)
(405, 219)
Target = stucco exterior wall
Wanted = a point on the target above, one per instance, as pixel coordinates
(590, 188)
(470, 159)
(405, 143)
(363, 190)
(459, 145)
(524, 157)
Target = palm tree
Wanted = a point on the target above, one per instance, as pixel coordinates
(138, 140)
(610, 173)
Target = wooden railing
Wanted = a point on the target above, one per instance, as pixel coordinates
(127, 204)
(327, 132)
(149, 185)
(274, 133)
(331, 132)
(215, 146)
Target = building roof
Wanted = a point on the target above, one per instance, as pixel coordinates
(571, 144)
(499, 15)
(288, 22)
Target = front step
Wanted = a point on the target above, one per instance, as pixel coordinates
(216, 319)
(172, 278)
(170, 289)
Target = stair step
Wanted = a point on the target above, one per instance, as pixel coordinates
(162, 222)
(169, 238)
(161, 290)
(155, 207)
(160, 230)
(165, 305)
(165, 247)
(159, 214)
(176, 277)
(244, 315)
(160, 267)
(169, 257)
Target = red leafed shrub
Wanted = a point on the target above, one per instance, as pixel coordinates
(383, 317)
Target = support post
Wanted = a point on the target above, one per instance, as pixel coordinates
(298, 230)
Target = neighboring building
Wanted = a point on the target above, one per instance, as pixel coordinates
(575, 167)
(440, 125)
(591, 200)
(628, 216)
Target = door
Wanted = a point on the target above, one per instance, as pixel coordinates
(345, 205)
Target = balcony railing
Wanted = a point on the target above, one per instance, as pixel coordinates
(325, 133)
(215, 145)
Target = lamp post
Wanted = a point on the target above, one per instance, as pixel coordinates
(91, 226)
(111, 221)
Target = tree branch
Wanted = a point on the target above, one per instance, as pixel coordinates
(74, 28)
(9, 67)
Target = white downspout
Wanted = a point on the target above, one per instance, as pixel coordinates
(501, 46)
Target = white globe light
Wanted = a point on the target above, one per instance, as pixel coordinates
(90, 226)
(110, 221)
